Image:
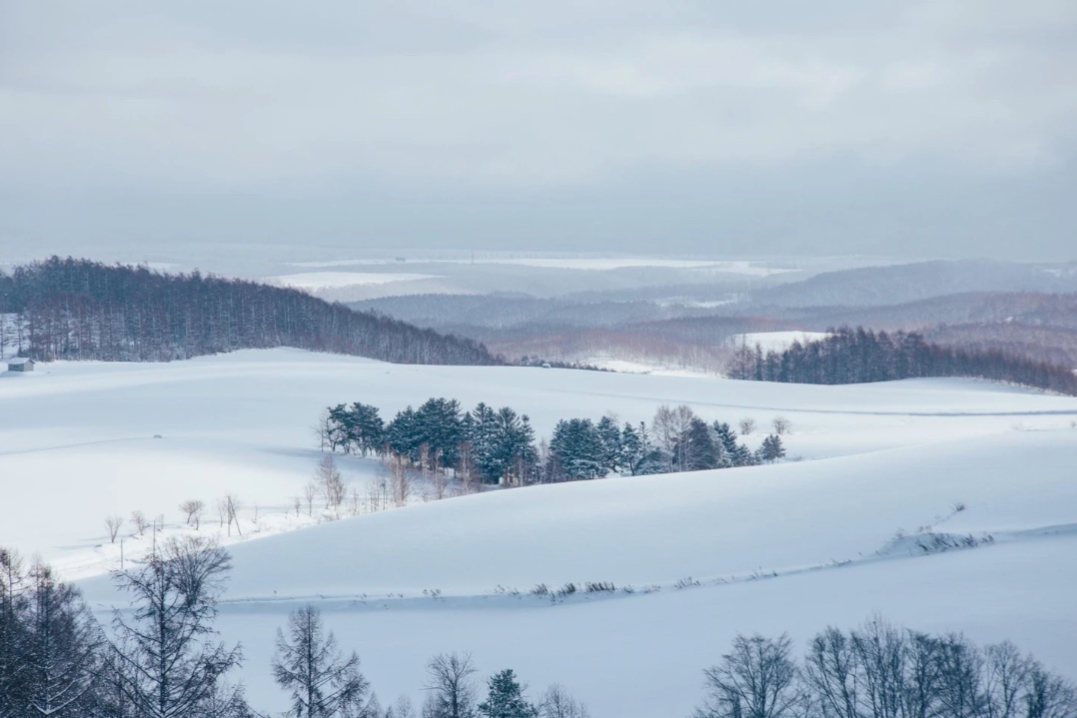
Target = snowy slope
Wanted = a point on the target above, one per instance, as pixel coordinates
(788, 547)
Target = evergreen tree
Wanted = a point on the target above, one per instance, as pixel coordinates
(14, 599)
(321, 681)
(61, 651)
(578, 448)
(366, 430)
(442, 429)
(609, 436)
(772, 449)
(505, 698)
(736, 453)
(700, 451)
(405, 434)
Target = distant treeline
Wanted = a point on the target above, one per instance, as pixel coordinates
(79, 309)
(498, 445)
(854, 356)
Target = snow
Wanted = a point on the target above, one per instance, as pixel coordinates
(335, 280)
(828, 539)
(777, 341)
(598, 264)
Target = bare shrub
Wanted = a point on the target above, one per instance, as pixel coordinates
(747, 426)
(782, 426)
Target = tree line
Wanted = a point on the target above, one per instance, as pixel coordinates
(165, 659)
(882, 671)
(79, 309)
(497, 446)
(853, 356)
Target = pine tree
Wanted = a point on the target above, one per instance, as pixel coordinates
(505, 698)
(772, 449)
(737, 454)
(61, 654)
(700, 451)
(609, 436)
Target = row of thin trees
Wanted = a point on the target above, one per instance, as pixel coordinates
(882, 671)
(852, 356)
(79, 309)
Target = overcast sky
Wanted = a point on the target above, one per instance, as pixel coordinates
(912, 127)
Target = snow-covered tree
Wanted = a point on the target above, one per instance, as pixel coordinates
(505, 698)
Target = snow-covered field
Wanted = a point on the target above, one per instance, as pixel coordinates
(831, 536)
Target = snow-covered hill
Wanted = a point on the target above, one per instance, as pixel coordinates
(942, 504)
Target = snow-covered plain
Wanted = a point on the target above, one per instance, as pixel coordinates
(828, 537)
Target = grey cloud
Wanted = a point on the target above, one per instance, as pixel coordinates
(543, 107)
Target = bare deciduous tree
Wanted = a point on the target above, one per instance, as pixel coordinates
(310, 492)
(557, 703)
(451, 691)
(140, 521)
(233, 505)
(757, 679)
(747, 426)
(113, 523)
(331, 484)
(782, 426)
(193, 509)
(399, 479)
(321, 681)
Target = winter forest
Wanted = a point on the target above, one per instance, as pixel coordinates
(79, 309)
(856, 356)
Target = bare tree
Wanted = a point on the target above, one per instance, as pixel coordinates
(451, 692)
(222, 512)
(400, 481)
(331, 484)
(193, 509)
(782, 426)
(757, 679)
(747, 426)
(140, 521)
(310, 492)
(557, 703)
(232, 506)
(321, 681)
(113, 523)
(165, 664)
(297, 504)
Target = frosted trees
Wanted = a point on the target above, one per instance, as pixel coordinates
(772, 449)
(451, 692)
(13, 602)
(60, 651)
(505, 698)
(164, 664)
(320, 680)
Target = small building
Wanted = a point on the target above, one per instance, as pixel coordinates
(20, 364)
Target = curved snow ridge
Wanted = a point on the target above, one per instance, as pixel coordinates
(901, 547)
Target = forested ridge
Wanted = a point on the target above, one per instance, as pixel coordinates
(855, 356)
(80, 309)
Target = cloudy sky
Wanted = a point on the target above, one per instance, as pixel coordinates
(913, 127)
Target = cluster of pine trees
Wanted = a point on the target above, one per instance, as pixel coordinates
(498, 445)
(881, 671)
(78, 309)
(854, 356)
(164, 658)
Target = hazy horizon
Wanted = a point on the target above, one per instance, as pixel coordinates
(921, 129)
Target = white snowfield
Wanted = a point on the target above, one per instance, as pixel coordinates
(941, 504)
